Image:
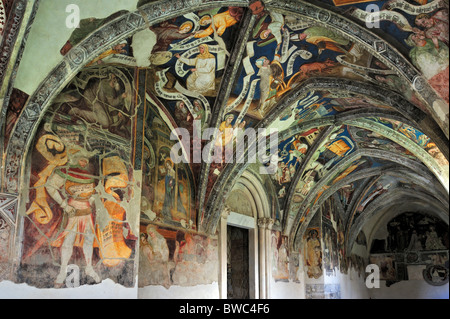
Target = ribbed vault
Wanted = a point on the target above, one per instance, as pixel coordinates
(355, 129)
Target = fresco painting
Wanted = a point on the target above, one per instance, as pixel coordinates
(313, 253)
(358, 265)
(322, 103)
(81, 203)
(380, 187)
(185, 72)
(412, 239)
(328, 210)
(176, 257)
(372, 140)
(168, 194)
(86, 206)
(188, 60)
(421, 27)
(413, 232)
(337, 145)
(280, 257)
(291, 155)
(17, 101)
(353, 168)
(417, 137)
(346, 193)
(284, 51)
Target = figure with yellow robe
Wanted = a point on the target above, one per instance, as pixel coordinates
(117, 49)
(225, 136)
(313, 255)
(219, 22)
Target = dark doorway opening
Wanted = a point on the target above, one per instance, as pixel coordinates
(238, 286)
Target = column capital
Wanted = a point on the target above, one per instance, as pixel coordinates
(226, 211)
(265, 223)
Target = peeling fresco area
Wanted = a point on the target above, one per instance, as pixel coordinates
(323, 291)
(172, 253)
(280, 258)
(174, 257)
(80, 223)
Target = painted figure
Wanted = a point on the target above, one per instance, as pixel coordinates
(436, 27)
(203, 75)
(199, 112)
(166, 33)
(159, 262)
(257, 7)
(102, 103)
(172, 198)
(182, 115)
(73, 188)
(220, 22)
(169, 188)
(264, 73)
(275, 28)
(117, 49)
(426, 57)
(433, 242)
(313, 255)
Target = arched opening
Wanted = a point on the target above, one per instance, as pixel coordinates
(106, 178)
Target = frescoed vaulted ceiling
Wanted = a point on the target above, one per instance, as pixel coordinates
(360, 104)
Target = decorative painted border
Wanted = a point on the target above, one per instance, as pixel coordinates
(10, 34)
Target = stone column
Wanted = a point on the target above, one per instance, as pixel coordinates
(223, 253)
(264, 229)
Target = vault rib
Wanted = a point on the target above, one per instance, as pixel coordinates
(219, 108)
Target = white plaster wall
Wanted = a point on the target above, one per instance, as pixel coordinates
(209, 291)
(287, 290)
(353, 286)
(107, 289)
